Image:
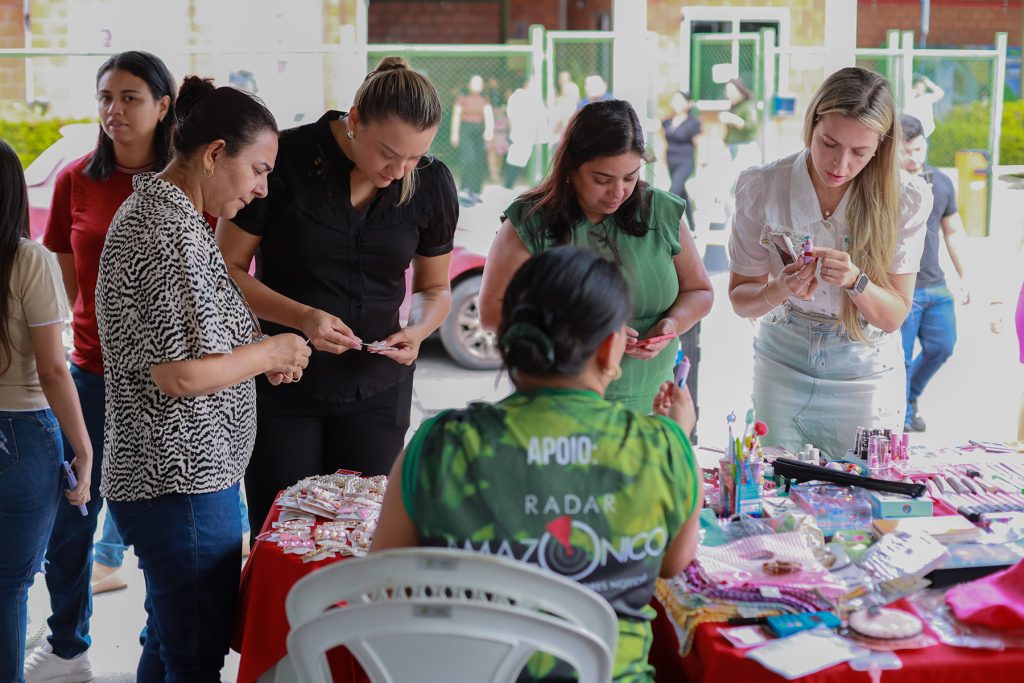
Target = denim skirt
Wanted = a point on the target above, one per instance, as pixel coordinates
(813, 384)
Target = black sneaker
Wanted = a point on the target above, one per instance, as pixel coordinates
(914, 421)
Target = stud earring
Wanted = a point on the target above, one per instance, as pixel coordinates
(351, 135)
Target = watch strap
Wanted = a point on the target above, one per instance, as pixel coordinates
(859, 285)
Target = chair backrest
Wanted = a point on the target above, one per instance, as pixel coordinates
(443, 640)
(424, 574)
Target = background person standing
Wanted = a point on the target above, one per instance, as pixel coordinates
(681, 130)
(472, 127)
(932, 318)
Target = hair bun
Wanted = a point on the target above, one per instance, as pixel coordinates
(193, 89)
(528, 348)
(391, 63)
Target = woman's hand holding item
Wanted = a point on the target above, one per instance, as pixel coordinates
(636, 348)
(836, 267)
(327, 332)
(676, 404)
(80, 495)
(795, 280)
(289, 355)
(403, 346)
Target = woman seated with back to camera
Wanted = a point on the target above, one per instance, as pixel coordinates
(499, 477)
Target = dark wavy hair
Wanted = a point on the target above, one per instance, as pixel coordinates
(13, 228)
(600, 129)
(207, 113)
(158, 78)
(558, 308)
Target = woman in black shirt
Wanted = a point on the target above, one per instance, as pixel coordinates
(333, 241)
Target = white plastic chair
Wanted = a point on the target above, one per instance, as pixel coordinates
(443, 640)
(439, 575)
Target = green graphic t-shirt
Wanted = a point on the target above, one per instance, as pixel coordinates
(650, 273)
(563, 479)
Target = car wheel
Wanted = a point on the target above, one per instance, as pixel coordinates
(464, 338)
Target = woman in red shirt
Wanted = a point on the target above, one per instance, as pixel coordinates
(135, 94)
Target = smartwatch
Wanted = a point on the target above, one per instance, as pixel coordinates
(859, 285)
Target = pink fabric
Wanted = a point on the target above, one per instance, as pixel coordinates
(995, 601)
(1020, 322)
(742, 562)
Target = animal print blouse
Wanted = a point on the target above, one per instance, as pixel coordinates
(164, 295)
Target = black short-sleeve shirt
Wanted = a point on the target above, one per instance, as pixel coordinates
(319, 250)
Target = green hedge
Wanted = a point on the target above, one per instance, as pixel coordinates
(29, 136)
(967, 126)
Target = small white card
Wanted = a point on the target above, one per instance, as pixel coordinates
(804, 653)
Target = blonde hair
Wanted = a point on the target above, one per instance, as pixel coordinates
(873, 209)
(393, 89)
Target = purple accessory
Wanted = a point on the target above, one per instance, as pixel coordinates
(72, 482)
(682, 371)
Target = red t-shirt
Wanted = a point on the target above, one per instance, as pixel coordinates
(80, 216)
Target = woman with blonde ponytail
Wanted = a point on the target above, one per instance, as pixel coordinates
(828, 355)
(355, 200)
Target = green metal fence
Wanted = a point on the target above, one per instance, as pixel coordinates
(741, 51)
(457, 74)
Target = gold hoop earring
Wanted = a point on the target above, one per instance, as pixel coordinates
(208, 172)
(351, 135)
(615, 372)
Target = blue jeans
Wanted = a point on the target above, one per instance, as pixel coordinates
(69, 553)
(30, 495)
(109, 550)
(932, 320)
(188, 550)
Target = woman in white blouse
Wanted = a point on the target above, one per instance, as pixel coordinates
(828, 356)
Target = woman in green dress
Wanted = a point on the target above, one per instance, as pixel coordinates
(594, 198)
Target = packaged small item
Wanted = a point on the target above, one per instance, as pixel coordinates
(887, 630)
(834, 507)
(903, 554)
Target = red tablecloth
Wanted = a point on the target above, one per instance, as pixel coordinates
(261, 629)
(713, 659)
(261, 626)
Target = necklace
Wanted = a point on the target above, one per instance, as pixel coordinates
(827, 213)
